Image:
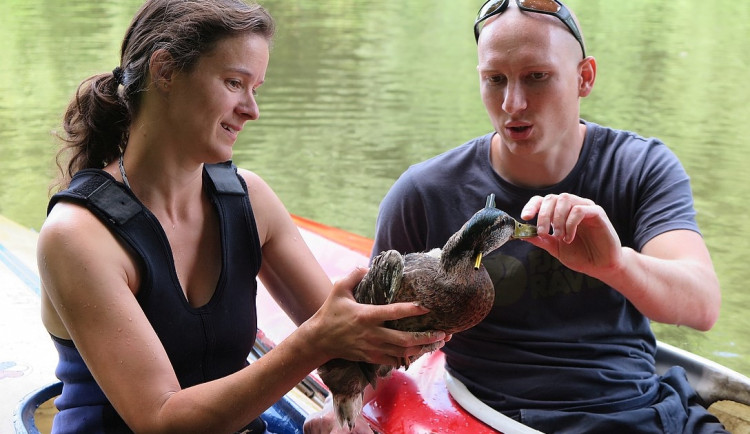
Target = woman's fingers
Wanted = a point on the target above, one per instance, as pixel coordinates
(401, 345)
(359, 329)
(346, 284)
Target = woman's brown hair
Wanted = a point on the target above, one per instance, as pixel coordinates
(96, 122)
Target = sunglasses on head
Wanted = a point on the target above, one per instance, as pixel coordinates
(548, 7)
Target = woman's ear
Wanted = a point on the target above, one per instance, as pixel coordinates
(161, 68)
(587, 76)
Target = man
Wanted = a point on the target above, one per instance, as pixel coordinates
(568, 345)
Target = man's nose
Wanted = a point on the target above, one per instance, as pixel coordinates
(515, 98)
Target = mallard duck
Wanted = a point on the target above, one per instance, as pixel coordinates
(450, 282)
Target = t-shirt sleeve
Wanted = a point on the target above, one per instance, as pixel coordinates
(665, 202)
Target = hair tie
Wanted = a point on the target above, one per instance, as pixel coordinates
(119, 75)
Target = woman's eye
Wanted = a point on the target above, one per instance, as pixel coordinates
(234, 84)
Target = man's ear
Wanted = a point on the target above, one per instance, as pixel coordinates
(587, 76)
(161, 68)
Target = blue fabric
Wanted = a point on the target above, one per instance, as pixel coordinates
(556, 340)
(203, 343)
(82, 404)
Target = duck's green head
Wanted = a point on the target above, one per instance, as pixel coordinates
(488, 229)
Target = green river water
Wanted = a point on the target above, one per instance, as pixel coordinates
(356, 91)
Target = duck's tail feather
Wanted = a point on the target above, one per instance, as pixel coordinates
(347, 409)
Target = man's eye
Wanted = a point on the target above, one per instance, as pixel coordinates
(234, 84)
(538, 76)
(496, 79)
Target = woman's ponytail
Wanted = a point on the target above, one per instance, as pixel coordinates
(95, 126)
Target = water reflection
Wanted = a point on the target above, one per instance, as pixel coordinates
(356, 91)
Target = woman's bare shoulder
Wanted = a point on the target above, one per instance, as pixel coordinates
(70, 221)
(73, 238)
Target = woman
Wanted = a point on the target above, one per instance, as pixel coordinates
(149, 255)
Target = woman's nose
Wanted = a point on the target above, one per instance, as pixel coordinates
(249, 107)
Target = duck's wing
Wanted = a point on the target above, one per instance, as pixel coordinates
(383, 280)
(421, 278)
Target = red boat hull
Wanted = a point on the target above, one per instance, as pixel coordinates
(417, 401)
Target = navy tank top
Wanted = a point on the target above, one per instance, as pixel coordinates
(203, 343)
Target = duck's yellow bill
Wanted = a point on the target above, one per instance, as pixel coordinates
(478, 261)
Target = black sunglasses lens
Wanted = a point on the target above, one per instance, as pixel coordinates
(489, 8)
(549, 6)
(492, 7)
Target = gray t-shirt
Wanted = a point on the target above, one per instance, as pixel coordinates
(555, 339)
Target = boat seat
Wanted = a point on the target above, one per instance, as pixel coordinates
(24, 419)
(734, 416)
